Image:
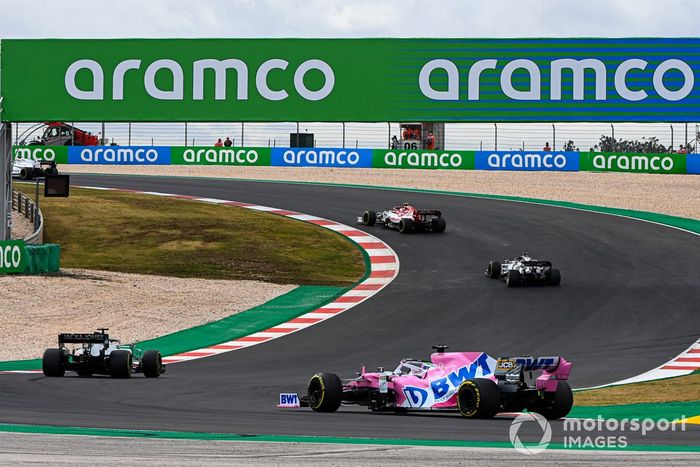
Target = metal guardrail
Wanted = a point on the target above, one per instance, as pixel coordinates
(23, 204)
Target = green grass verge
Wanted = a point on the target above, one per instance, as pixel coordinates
(680, 389)
(190, 435)
(133, 233)
(655, 411)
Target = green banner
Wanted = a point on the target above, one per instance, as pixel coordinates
(346, 80)
(13, 256)
(58, 154)
(202, 155)
(413, 159)
(664, 163)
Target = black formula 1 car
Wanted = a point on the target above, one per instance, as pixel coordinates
(101, 355)
(406, 219)
(524, 270)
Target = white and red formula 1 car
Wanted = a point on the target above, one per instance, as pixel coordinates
(406, 219)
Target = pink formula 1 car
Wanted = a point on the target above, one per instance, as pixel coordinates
(406, 219)
(475, 384)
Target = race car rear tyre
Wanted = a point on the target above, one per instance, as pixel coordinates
(26, 173)
(554, 278)
(51, 171)
(52, 363)
(556, 405)
(325, 392)
(406, 226)
(494, 269)
(478, 398)
(120, 364)
(439, 225)
(513, 278)
(369, 218)
(152, 364)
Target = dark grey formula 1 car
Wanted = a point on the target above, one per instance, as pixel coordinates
(98, 354)
(524, 270)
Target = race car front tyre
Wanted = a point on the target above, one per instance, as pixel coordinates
(120, 364)
(478, 398)
(555, 405)
(369, 218)
(325, 392)
(52, 363)
(513, 278)
(439, 225)
(152, 364)
(494, 269)
(406, 226)
(554, 278)
(26, 173)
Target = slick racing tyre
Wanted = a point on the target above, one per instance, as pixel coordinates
(52, 363)
(369, 218)
(325, 392)
(554, 277)
(513, 278)
(478, 398)
(406, 226)
(555, 405)
(152, 364)
(120, 364)
(494, 270)
(26, 173)
(439, 225)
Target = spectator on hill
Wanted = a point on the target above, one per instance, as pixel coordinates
(547, 147)
(406, 133)
(681, 150)
(394, 142)
(228, 143)
(218, 143)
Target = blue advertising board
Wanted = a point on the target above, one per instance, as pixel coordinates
(527, 160)
(321, 157)
(692, 164)
(119, 155)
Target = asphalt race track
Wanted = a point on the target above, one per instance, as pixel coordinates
(627, 303)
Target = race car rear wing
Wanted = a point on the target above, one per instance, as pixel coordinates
(537, 263)
(553, 369)
(79, 338)
(429, 212)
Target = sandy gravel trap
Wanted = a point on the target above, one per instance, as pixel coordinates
(35, 309)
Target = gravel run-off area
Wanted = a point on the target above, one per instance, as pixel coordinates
(33, 310)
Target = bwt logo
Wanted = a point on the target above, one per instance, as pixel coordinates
(442, 389)
(445, 387)
(289, 399)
